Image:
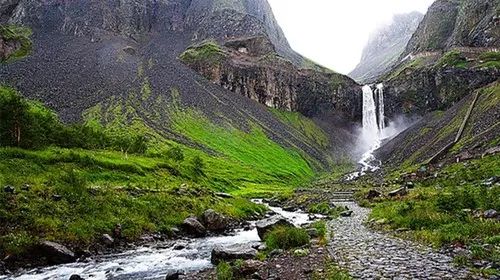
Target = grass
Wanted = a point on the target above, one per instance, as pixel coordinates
(310, 131)
(17, 34)
(453, 59)
(286, 238)
(434, 211)
(208, 52)
(224, 271)
(331, 272)
(138, 192)
(490, 60)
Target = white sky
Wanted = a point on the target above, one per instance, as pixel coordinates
(334, 32)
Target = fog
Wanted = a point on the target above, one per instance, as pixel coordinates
(333, 32)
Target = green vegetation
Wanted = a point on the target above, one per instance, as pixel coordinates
(320, 227)
(310, 131)
(17, 35)
(490, 60)
(412, 65)
(224, 271)
(331, 272)
(442, 210)
(453, 59)
(208, 52)
(286, 238)
(325, 209)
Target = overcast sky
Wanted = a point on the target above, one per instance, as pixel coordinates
(334, 32)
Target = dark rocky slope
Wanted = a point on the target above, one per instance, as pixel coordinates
(436, 130)
(457, 23)
(86, 52)
(385, 46)
(453, 52)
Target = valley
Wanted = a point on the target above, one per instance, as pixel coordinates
(186, 139)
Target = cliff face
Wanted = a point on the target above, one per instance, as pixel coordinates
(385, 46)
(457, 23)
(252, 68)
(453, 52)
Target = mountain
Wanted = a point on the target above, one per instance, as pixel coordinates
(453, 52)
(449, 75)
(89, 54)
(385, 46)
(457, 23)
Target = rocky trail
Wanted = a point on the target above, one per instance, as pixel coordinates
(367, 254)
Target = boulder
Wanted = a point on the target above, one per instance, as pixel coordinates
(180, 246)
(249, 267)
(490, 214)
(173, 275)
(107, 240)
(312, 232)
(56, 253)
(373, 194)
(399, 192)
(266, 225)
(194, 227)
(75, 277)
(232, 253)
(57, 197)
(223, 195)
(214, 221)
(9, 189)
(347, 213)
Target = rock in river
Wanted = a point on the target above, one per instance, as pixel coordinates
(263, 226)
(214, 221)
(56, 253)
(232, 253)
(194, 227)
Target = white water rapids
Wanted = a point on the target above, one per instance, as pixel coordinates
(153, 262)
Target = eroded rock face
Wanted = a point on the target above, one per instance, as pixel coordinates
(448, 23)
(251, 68)
(431, 88)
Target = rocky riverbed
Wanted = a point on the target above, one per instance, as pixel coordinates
(372, 255)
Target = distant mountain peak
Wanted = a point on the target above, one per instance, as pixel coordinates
(385, 46)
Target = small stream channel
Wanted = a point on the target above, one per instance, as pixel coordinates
(155, 261)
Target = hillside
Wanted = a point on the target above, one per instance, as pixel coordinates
(385, 46)
(130, 124)
(447, 58)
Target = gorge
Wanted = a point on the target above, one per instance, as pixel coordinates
(186, 139)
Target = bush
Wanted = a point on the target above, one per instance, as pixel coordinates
(286, 238)
(320, 226)
(197, 165)
(176, 154)
(224, 271)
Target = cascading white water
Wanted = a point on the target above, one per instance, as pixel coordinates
(369, 112)
(381, 109)
(373, 125)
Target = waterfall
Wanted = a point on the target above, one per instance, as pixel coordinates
(373, 125)
(381, 109)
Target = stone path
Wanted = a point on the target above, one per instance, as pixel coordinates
(371, 255)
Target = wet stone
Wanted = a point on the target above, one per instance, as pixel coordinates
(368, 254)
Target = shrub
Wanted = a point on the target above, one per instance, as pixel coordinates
(286, 238)
(197, 165)
(320, 226)
(175, 153)
(224, 271)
